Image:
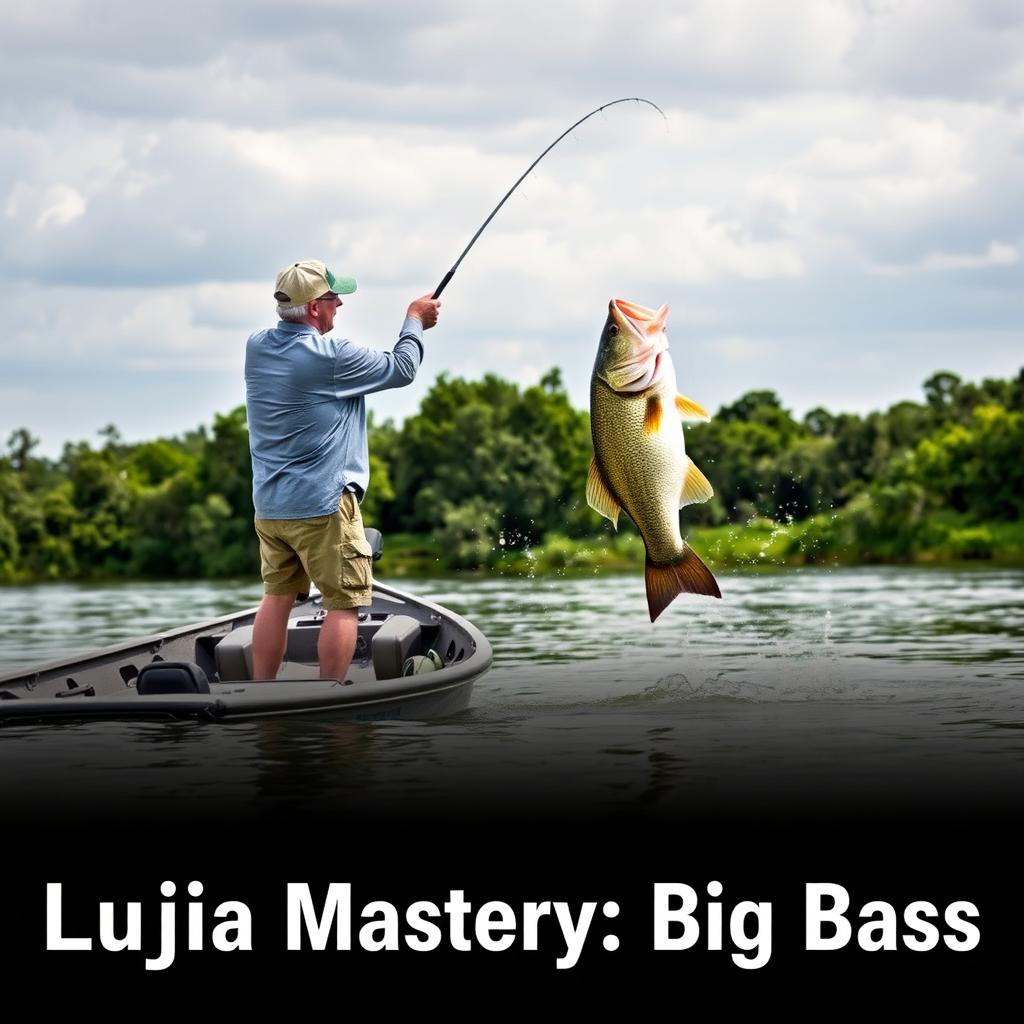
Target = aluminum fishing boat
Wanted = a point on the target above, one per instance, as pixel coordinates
(413, 660)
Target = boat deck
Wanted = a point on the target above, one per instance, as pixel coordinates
(218, 654)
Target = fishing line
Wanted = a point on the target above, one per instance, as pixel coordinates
(627, 99)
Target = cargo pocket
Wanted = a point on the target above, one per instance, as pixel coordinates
(356, 556)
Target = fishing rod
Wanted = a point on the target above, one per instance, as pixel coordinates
(451, 273)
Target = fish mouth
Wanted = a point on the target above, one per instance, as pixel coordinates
(638, 375)
(645, 329)
(648, 325)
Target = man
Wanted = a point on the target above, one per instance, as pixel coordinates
(310, 461)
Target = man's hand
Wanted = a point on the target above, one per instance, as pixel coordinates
(426, 310)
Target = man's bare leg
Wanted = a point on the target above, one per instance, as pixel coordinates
(270, 635)
(337, 642)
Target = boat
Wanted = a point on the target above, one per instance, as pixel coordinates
(413, 660)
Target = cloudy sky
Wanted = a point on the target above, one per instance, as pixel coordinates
(832, 207)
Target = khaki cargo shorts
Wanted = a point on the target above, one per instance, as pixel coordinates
(331, 550)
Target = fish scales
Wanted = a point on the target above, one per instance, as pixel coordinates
(640, 463)
(636, 472)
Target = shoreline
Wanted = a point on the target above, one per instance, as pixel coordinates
(759, 548)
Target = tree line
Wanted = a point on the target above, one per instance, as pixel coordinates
(485, 467)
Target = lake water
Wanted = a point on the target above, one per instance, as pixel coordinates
(825, 684)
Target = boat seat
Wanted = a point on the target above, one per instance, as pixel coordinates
(397, 639)
(233, 654)
(159, 677)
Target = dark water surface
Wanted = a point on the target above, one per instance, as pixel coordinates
(825, 684)
(862, 728)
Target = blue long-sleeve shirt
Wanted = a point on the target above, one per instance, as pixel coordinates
(307, 415)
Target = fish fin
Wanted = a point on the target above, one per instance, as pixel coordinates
(600, 497)
(695, 487)
(691, 410)
(652, 416)
(687, 575)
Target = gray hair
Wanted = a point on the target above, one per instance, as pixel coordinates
(293, 314)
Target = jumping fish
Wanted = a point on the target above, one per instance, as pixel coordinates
(640, 463)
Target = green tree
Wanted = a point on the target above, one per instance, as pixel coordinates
(976, 468)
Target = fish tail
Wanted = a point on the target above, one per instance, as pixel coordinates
(686, 575)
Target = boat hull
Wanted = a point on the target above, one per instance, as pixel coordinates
(101, 685)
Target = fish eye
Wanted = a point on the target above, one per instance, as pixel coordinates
(613, 330)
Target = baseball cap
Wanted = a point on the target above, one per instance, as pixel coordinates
(307, 280)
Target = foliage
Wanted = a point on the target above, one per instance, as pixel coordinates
(489, 475)
(513, 459)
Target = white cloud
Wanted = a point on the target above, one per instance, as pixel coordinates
(997, 254)
(63, 204)
(821, 175)
(53, 206)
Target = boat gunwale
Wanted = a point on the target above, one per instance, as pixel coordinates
(478, 661)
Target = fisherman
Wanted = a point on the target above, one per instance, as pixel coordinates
(310, 462)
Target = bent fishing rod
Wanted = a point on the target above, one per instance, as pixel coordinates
(451, 273)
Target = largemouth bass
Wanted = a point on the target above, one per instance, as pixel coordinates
(640, 463)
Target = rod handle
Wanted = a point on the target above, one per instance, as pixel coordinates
(444, 284)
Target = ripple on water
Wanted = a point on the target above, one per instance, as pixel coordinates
(876, 672)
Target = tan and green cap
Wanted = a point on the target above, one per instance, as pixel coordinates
(306, 280)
